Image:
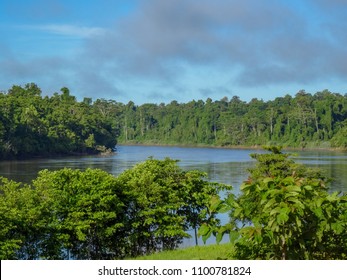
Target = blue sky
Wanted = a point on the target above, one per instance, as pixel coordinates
(162, 50)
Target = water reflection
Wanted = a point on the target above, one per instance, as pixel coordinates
(228, 166)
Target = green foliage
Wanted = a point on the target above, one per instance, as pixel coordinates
(9, 218)
(165, 203)
(21, 221)
(340, 138)
(86, 212)
(32, 125)
(305, 120)
(93, 215)
(285, 212)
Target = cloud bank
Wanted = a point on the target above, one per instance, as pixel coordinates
(251, 43)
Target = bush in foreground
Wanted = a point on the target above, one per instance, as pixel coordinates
(284, 212)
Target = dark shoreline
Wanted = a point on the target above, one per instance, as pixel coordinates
(56, 155)
(239, 147)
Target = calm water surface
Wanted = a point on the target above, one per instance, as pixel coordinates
(222, 165)
(227, 166)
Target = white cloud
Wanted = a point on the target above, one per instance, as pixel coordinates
(68, 30)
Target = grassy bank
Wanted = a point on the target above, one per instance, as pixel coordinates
(204, 252)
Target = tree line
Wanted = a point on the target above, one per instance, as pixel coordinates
(33, 125)
(305, 120)
(91, 214)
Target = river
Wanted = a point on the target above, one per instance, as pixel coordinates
(227, 166)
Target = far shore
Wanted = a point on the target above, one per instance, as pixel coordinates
(110, 152)
(240, 147)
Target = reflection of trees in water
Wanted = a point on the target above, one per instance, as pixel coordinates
(212, 161)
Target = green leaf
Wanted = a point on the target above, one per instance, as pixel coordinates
(244, 186)
(291, 194)
(275, 211)
(204, 229)
(223, 207)
(338, 227)
(319, 213)
(297, 202)
(288, 180)
(270, 203)
(215, 203)
(233, 236)
(282, 218)
(219, 237)
(206, 236)
(237, 212)
(293, 188)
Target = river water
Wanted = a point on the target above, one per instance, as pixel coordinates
(227, 166)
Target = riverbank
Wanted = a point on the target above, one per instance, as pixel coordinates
(238, 147)
(99, 150)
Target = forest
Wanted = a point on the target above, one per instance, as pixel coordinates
(35, 125)
(32, 125)
(306, 120)
(284, 210)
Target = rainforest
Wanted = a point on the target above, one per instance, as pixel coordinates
(284, 210)
(35, 125)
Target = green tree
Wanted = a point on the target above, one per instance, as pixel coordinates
(23, 221)
(164, 202)
(9, 219)
(86, 214)
(32, 125)
(285, 212)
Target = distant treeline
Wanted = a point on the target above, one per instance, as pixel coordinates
(318, 120)
(31, 124)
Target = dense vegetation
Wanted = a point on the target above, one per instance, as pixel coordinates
(318, 120)
(93, 215)
(32, 125)
(284, 212)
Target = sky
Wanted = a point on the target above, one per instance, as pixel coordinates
(156, 51)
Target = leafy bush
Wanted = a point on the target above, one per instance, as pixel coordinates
(285, 212)
(164, 203)
(93, 215)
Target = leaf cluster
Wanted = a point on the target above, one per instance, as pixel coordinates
(285, 212)
(92, 214)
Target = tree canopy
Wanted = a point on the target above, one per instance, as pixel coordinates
(33, 125)
(91, 214)
(305, 120)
